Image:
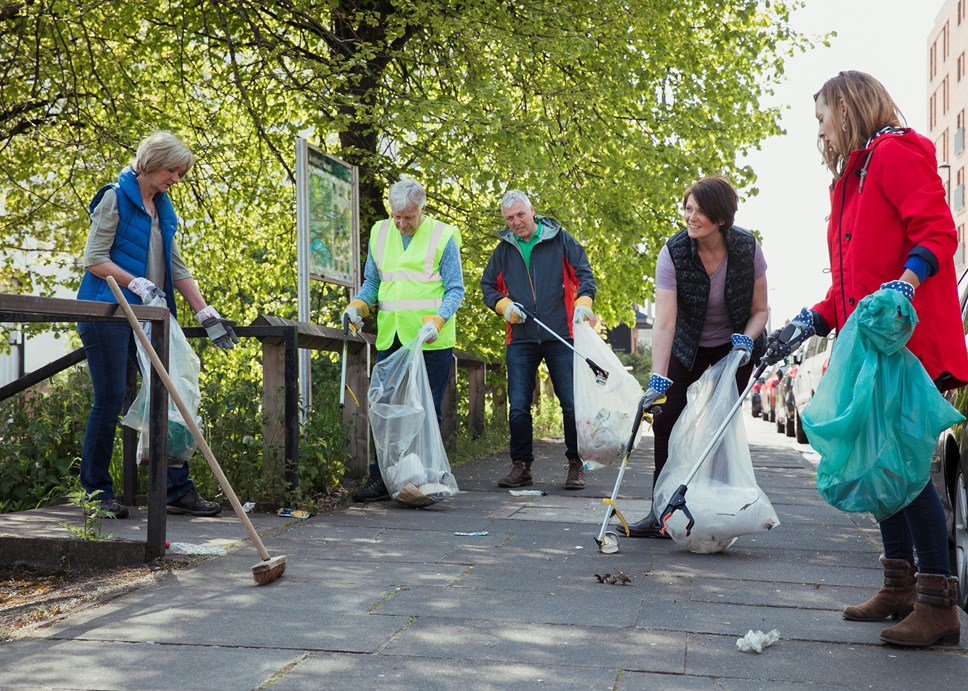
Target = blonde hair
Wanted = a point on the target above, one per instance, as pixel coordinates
(162, 150)
(867, 108)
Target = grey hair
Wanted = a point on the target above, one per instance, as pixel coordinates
(162, 150)
(406, 192)
(511, 197)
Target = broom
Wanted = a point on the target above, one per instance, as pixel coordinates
(270, 568)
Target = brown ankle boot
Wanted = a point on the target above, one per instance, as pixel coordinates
(935, 615)
(896, 597)
(576, 474)
(520, 475)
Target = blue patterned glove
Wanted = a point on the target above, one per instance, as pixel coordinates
(656, 393)
(784, 341)
(744, 343)
(903, 287)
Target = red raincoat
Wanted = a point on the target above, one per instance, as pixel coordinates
(890, 200)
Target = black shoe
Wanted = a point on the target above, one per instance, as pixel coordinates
(647, 527)
(374, 490)
(112, 508)
(192, 504)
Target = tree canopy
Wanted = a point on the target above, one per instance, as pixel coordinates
(602, 112)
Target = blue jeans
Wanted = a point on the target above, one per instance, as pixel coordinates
(108, 345)
(919, 526)
(438, 364)
(522, 361)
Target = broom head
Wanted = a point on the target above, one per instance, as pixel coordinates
(267, 571)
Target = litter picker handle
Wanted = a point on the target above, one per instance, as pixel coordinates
(342, 375)
(188, 417)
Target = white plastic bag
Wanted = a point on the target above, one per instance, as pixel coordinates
(183, 369)
(723, 496)
(604, 413)
(409, 450)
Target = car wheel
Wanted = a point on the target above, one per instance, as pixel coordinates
(801, 435)
(789, 431)
(780, 427)
(960, 561)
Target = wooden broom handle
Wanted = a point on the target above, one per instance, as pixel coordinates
(189, 419)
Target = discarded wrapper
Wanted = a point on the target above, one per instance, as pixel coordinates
(757, 640)
(292, 513)
(527, 493)
(248, 506)
(478, 533)
(188, 548)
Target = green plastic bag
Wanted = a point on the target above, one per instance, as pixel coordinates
(876, 415)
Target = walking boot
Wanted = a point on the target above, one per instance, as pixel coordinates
(576, 474)
(647, 527)
(520, 475)
(896, 597)
(935, 616)
(374, 490)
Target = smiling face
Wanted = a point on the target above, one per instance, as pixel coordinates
(159, 180)
(520, 219)
(698, 224)
(408, 219)
(828, 130)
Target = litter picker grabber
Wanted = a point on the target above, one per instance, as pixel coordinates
(607, 540)
(790, 337)
(601, 375)
(270, 568)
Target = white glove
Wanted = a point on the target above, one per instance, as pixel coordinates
(514, 315)
(582, 314)
(146, 290)
(428, 332)
(219, 330)
(354, 316)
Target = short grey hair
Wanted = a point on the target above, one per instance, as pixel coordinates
(406, 192)
(511, 197)
(162, 150)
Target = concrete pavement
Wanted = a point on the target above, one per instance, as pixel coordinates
(379, 596)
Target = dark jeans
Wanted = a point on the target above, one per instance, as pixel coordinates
(522, 361)
(676, 395)
(438, 364)
(919, 526)
(108, 346)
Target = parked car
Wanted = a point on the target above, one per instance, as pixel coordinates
(814, 358)
(949, 470)
(786, 411)
(755, 398)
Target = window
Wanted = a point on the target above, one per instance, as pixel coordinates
(933, 60)
(960, 72)
(960, 190)
(946, 101)
(933, 111)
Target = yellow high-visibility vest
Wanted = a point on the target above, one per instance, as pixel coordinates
(411, 286)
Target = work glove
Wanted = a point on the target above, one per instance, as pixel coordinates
(583, 309)
(656, 393)
(903, 287)
(744, 344)
(146, 290)
(354, 314)
(511, 312)
(432, 326)
(782, 342)
(219, 330)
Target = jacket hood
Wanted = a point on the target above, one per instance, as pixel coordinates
(551, 227)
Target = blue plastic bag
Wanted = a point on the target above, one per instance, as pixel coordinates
(876, 415)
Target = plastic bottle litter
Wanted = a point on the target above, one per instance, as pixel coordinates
(757, 640)
(188, 548)
(478, 533)
(527, 493)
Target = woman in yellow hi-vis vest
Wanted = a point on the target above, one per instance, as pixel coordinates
(413, 274)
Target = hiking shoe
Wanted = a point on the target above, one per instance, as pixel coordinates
(192, 504)
(520, 475)
(576, 474)
(374, 490)
(112, 508)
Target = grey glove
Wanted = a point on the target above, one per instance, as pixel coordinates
(219, 330)
(146, 290)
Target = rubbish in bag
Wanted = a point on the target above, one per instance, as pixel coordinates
(409, 450)
(183, 368)
(604, 412)
(724, 499)
(876, 415)
(757, 640)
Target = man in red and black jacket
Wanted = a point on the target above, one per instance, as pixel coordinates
(542, 268)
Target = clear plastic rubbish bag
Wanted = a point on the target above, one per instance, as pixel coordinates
(722, 496)
(183, 369)
(876, 415)
(409, 450)
(604, 413)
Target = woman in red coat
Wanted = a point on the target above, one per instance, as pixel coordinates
(890, 227)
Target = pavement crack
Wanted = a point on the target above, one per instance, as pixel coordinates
(389, 596)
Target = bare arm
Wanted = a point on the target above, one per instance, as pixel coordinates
(193, 296)
(664, 329)
(106, 269)
(759, 310)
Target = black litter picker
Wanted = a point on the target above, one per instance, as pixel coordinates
(607, 540)
(785, 342)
